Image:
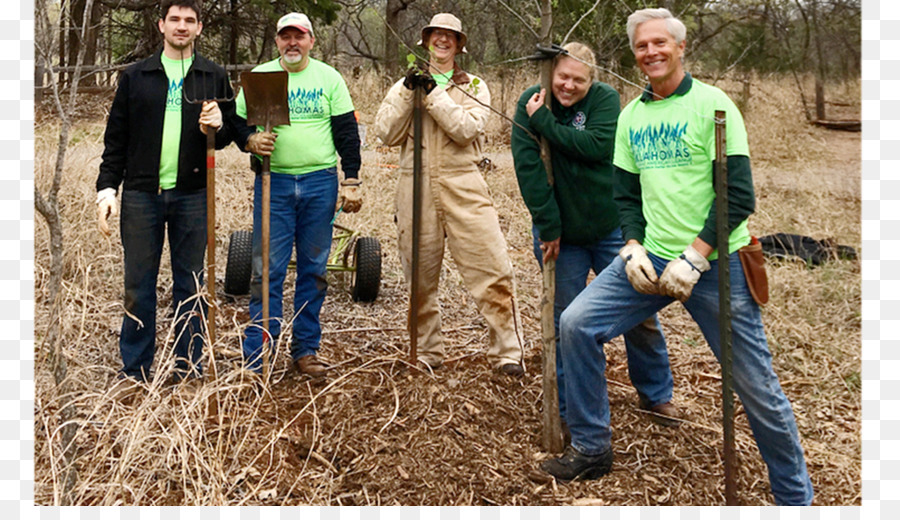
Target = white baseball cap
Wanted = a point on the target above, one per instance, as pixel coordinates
(297, 21)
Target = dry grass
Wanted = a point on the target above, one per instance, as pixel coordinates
(380, 432)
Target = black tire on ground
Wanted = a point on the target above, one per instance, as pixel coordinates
(367, 273)
(240, 263)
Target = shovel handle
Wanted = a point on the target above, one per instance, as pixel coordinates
(266, 234)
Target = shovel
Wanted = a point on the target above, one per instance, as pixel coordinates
(266, 94)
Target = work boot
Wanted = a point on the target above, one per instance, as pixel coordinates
(574, 465)
(125, 389)
(512, 370)
(311, 366)
(663, 414)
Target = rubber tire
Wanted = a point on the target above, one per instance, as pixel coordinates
(367, 270)
(240, 263)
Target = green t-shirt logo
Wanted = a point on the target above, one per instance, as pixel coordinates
(660, 146)
(173, 99)
(306, 103)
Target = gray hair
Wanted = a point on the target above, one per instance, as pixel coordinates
(675, 26)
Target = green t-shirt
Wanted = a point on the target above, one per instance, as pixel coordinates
(171, 138)
(442, 79)
(315, 94)
(670, 143)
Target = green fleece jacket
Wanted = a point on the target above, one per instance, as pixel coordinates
(579, 207)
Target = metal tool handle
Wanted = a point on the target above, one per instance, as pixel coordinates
(416, 225)
(722, 235)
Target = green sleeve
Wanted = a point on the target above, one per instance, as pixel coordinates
(532, 176)
(741, 198)
(593, 143)
(627, 195)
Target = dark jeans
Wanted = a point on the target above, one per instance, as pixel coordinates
(145, 218)
(301, 210)
(648, 357)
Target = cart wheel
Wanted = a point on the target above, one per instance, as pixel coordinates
(366, 270)
(240, 263)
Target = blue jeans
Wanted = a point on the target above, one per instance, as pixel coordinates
(145, 219)
(610, 305)
(301, 210)
(648, 359)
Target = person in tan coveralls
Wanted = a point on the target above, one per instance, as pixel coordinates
(456, 204)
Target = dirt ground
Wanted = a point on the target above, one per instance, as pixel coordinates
(379, 431)
(385, 434)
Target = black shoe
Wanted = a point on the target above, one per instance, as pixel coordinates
(574, 465)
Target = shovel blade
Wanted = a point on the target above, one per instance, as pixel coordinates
(266, 94)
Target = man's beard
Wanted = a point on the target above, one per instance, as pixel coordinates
(293, 60)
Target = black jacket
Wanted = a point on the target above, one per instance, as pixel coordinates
(133, 137)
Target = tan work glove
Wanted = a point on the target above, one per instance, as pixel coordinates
(639, 269)
(261, 143)
(106, 207)
(681, 275)
(351, 195)
(210, 116)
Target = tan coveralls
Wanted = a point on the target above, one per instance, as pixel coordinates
(456, 205)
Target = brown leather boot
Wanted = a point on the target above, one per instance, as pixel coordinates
(664, 414)
(311, 366)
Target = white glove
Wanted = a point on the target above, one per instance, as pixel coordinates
(106, 207)
(210, 116)
(351, 195)
(681, 274)
(639, 269)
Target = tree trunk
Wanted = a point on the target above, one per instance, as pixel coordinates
(392, 11)
(48, 207)
(233, 41)
(821, 67)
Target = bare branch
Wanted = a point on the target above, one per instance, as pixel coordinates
(589, 11)
(517, 15)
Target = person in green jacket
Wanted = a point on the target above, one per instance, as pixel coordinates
(575, 220)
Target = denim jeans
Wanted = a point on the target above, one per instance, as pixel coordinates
(301, 210)
(610, 305)
(146, 217)
(648, 359)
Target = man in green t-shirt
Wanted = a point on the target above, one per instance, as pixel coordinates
(304, 191)
(664, 154)
(155, 148)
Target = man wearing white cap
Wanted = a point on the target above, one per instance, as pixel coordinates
(455, 203)
(304, 190)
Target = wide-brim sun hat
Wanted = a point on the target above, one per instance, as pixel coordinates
(449, 22)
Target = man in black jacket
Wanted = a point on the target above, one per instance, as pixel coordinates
(155, 146)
